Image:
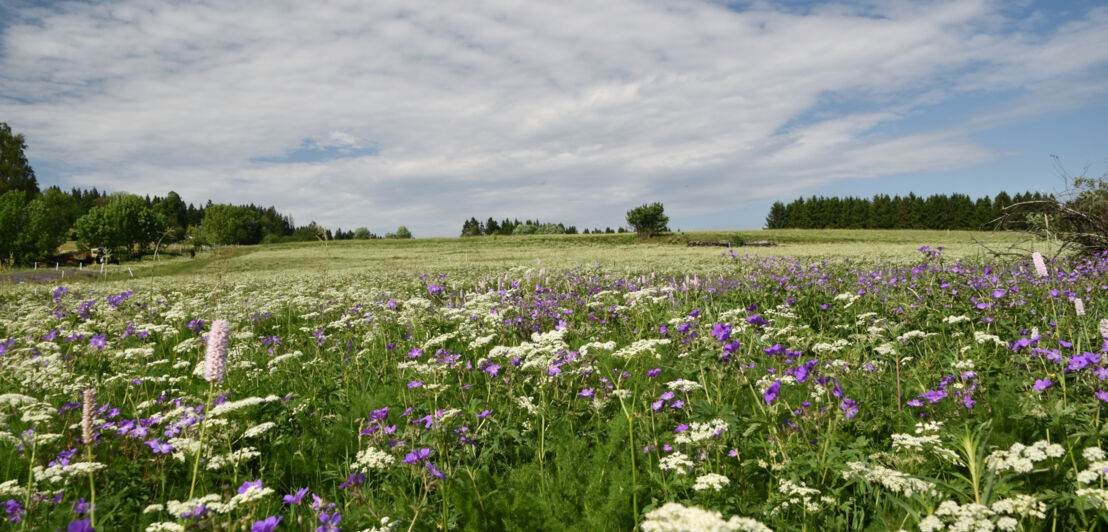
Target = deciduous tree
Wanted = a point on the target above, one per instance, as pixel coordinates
(648, 219)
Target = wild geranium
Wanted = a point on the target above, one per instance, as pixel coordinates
(269, 524)
(295, 498)
(772, 392)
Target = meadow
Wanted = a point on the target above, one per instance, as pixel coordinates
(843, 380)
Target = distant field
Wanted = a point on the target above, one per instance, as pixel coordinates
(666, 253)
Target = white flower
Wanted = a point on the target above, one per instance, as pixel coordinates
(890, 479)
(702, 431)
(674, 517)
(372, 458)
(1021, 458)
(930, 524)
(259, 429)
(217, 462)
(1007, 523)
(1022, 506)
(711, 480)
(639, 347)
(165, 526)
(676, 462)
(231, 406)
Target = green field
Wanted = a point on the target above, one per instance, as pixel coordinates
(842, 380)
(563, 251)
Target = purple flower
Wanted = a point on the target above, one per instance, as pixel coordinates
(83, 525)
(63, 457)
(98, 342)
(158, 446)
(1042, 384)
(773, 392)
(355, 478)
(295, 498)
(484, 414)
(1102, 395)
(415, 384)
(587, 392)
(80, 507)
(417, 456)
(722, 332)
(436, 472)
(14, 510)
(654, 372)
(681, 428)
(330, 522)
(269, 524)
(248, 484)
(850, 407)
(933, 396)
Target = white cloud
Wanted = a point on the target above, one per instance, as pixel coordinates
(570, 111)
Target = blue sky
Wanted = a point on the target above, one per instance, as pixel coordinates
(422, 113)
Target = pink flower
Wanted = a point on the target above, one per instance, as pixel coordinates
(1040, 265)
(86, 415)
(215, 360)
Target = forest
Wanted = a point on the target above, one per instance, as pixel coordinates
(938, 211)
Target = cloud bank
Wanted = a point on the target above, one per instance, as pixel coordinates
(424, 113)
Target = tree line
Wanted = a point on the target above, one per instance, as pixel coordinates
(34, 222)
(505, 227)
(938, 211)
(475, 227)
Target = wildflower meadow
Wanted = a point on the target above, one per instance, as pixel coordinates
(738, 391)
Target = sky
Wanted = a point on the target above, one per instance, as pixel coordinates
(425, 113)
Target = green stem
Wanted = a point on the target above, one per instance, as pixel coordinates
(91, 486)
(634, 477)
(30, 483)
(200, 447)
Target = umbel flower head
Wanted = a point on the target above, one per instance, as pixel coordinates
(215, 360)
(1079, 307)
(1104, 328)
(87, 408)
